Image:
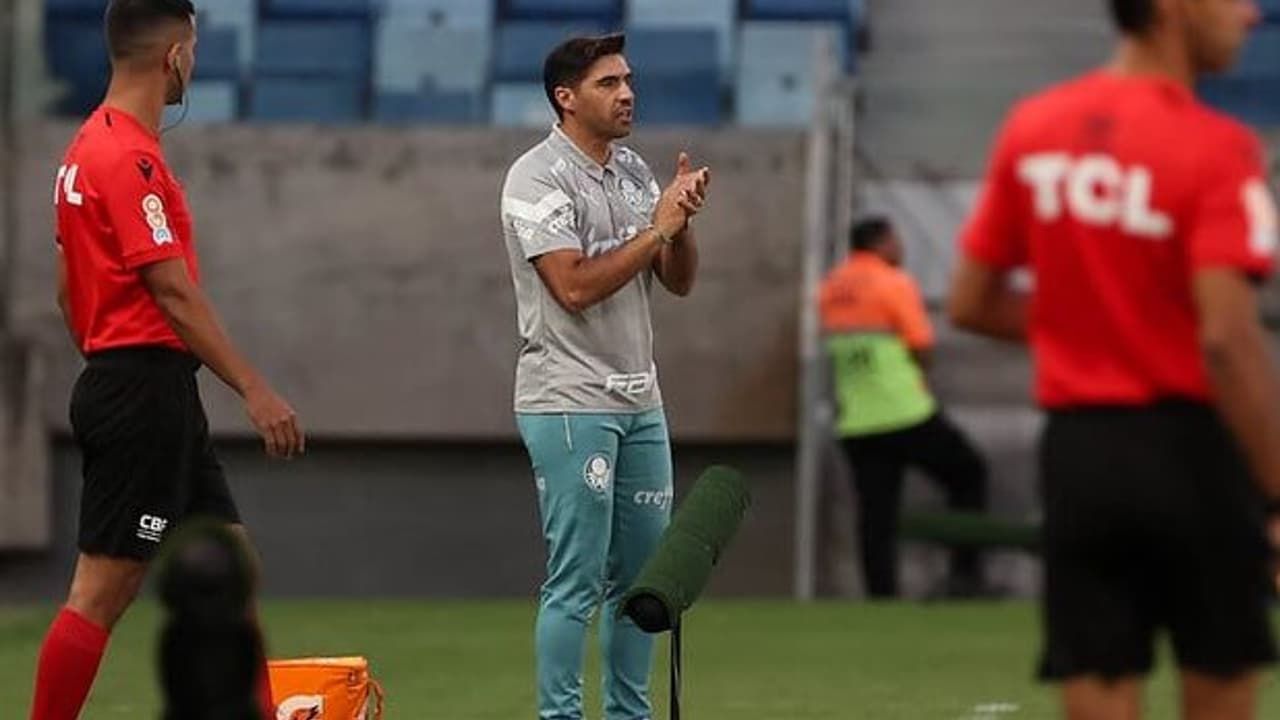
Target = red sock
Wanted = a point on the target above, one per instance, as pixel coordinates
(68, 663)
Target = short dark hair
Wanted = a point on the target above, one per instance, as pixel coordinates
(130, 21)
(568, 64)
(1133, 17)
(869, 232)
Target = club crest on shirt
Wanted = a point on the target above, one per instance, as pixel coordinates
(146, 168)
(636, 196)
(153, 209)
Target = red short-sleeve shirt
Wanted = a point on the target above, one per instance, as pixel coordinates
(119, 209)
(1114, 190)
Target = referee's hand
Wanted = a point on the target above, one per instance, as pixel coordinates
(275, 421)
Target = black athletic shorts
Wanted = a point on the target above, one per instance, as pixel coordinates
(1152, 524)
(148, 460)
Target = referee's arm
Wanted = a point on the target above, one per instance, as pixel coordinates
(1239, 361)
(193, 318)
(64, 301)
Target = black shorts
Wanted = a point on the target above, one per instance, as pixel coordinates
(148, 460)
(1152, 524)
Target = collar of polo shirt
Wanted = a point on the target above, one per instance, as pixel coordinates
(583, 160)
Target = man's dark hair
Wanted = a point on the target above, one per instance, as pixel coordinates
(868, 233)
(572, 59)
(1133, 17)
(130, 23)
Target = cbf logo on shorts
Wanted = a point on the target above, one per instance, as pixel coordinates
(598, 473)
(151, 528)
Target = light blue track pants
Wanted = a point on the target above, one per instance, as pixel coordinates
(605, 493)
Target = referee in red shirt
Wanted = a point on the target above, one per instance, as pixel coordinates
(1146, 221)
(128, 286)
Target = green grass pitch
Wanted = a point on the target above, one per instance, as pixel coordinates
(744, 660)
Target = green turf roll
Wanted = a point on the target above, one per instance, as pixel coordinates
(959, 529)
(678, 570)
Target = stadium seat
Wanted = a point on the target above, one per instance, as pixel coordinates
(208, 101)
(429, 106)
(1271, 10)
(775, 73)
(219, 54)
(1261, 54)
(1253, 99)
(474, 14)
(715, 15)
(846, 10)
(521, 105)
(677, 77)
(522, 47)
(238, 15)
(74, 8)
(293, 99)
(332, 48)
(407, 53)
(318, 8)
(606, 11)
(77, 55)
(692, 98)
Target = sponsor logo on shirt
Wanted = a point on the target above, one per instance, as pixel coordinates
(629, 383)
(1094, 189)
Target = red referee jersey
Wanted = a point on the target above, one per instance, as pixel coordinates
(1115, 190)
(119, 209)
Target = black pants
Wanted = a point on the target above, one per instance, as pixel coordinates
(879, 461)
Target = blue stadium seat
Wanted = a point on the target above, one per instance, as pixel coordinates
(606, 11)
(430, 106)
(677, 76)
(475, 14)
(1270, 10)
(775, 72)
(1261, 54)
(408, 52)
(208, 101)
(306, 100)
(333, 48)
(719, 16)
(238, 15)
(521, 47)
(318, 8)
(218, 57)
(76, 52)
(672, 51)
(75, 7)
(692, 98)
(1254, 100)
(521, 105)
(846, 10)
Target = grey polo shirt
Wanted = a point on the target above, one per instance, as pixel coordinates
(556, 197)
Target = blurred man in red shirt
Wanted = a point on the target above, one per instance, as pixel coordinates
(1146, 220)
(128, 286)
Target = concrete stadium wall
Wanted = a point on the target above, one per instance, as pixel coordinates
(363, 269)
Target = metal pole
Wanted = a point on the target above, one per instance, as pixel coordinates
(810, 424)
(8, 164)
